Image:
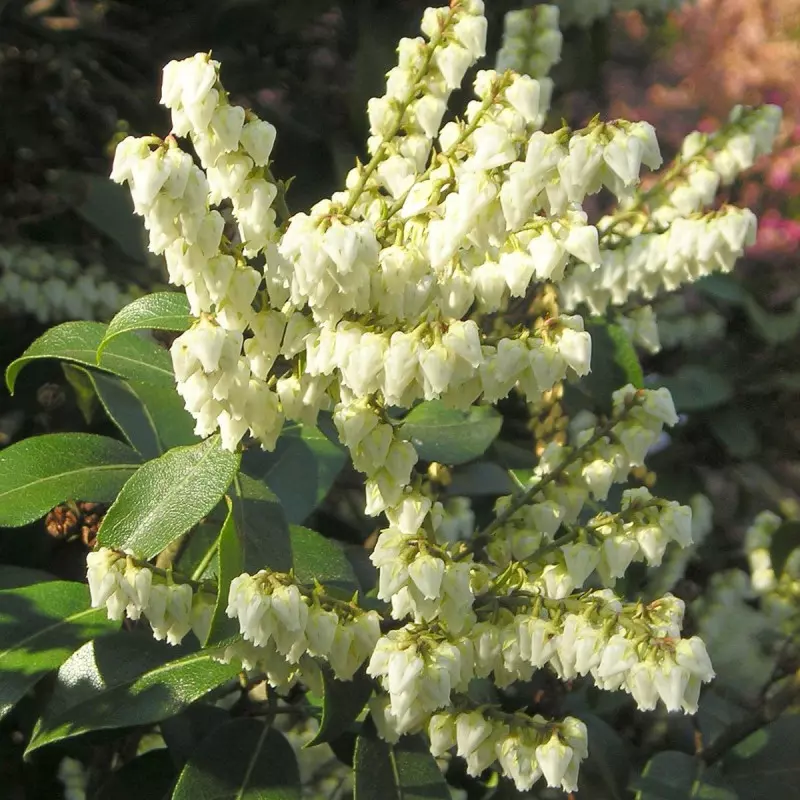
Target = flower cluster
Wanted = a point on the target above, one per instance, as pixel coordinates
(52, 286)
(280, 621)
(527, 748)
(127, 588)
(531, 41)
(382, 296)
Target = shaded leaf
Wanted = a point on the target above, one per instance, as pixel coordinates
(608, 761)
(130, 356)
(784, 542)
(773, 328)
(261, 526)
(301, 470)
(167, 496)
(614, 363)
(449, 435)
(184, 732)
(125, 678)
(12, 577)
(322, 559)
(152, 418)
(230, 563)
(243, 760)
(148, 777)
(405, 771)
(766, 763)
(342, 702)
(671, 775)
(85, 397)
(40, 627)
(480, 478)
(696, 388)
(161, 311)
(735, 431)
(720, 286)
(109, 208)
(38, 473)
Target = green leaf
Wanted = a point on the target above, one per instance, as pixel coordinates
(167, 496)
(148, 777)
(342, 702)
(773, 328)
(130, 356)
(37, 474)
(261, 526)
(608, 763)
(614, 363)
(230, 563)
(301, 470)
(108, 207)
(85, 396)
(766, 764)
(152, 418)
(735, 431)
(14, 577)
(318, 558)
(449, 435)
(696, 388)
(405, 771)
(40, 626)
(243, 760)
(671, 775)
(124, 679)
(717, 713)
(162, 311)
(723, 287)
(479, 479)
(784, 542)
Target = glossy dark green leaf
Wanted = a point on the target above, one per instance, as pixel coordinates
(243, 760)
(167, 496)
(342, 702)
(261, 526)
(671, 775)
(784, 542)
(696, 388)
(37, 474)
(148, 777)
(152, 418)
(129, 356)
(405, 771)
(449, 435)
(162, 311)
(124, 679)
(230, 563)
(301, 469)
(322, 559)
(766, 764)
(40, 627)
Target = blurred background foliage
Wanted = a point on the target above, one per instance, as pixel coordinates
(76, 76)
